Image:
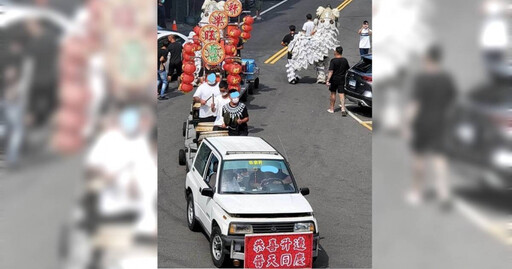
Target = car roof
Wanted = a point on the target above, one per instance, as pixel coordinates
(241, 147)
(162, 33)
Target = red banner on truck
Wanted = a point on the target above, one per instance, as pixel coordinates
(282, 250)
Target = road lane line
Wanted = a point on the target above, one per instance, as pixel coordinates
(360, 121)
(344, 4)
(275, 55)
(499, 231)
(272, 7)
(279, 57)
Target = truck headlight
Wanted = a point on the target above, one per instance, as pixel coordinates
(302, 227)
(238, 228)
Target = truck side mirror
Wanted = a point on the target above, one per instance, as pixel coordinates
(207, 192)
(304, 191)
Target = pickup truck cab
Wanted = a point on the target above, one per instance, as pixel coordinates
(242, 185)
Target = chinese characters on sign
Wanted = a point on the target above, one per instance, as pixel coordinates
(233, 8)
(279, 250)
(213, 53)
(209, 33)
(219, 19)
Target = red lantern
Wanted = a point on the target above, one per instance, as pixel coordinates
(196, 40)
(197, 29)
(228, 60)
(235, 87)
(234, 79)
(246, 35)
(227, 66)
(233, 41)
(187, 57)
(246, 28)
(184, 87)
(189, 68)
(189, 48)
(230, 49)
(197, 47)
(234, 32)
(235, 69)
(186, 78)
(248, 20)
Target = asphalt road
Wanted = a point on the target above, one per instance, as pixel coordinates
(328, 153)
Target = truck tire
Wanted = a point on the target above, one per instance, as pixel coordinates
(182, 159)
(257, 83)
(250, 88)
(191, 214)
(244, 96)
(184, 128)
(217, 248)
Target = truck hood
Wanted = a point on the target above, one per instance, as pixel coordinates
(263, 203)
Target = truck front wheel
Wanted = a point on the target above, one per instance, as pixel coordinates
(217, 248)
(191, 214)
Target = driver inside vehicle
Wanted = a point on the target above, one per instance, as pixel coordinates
(269, 175)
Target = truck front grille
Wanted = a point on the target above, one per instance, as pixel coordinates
(259, 228)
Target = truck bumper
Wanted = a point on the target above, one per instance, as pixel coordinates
(234, 246)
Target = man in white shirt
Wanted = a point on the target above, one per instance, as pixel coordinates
(309, 26)
(206, 94)
(364, 38)
(219, 103)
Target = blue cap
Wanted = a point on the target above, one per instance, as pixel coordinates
(212, 78)
(234, 94)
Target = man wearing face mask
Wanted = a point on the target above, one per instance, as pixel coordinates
(235, 115)
(219, 104)
(206, 94)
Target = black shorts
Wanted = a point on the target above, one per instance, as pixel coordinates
(340, 88)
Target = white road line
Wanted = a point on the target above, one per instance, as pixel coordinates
(482, 222)
(274, 6)
(354, 116)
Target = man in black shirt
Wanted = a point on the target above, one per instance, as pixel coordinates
(162, 73)
(235, 116)
(286, 40)
(335, 80)
(175, 59)
(239, 47)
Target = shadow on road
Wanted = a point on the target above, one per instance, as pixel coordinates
(253, 130)
(495, 200)
(323, 259)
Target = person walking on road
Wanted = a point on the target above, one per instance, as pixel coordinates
(206, 94)
(257, 6)
(162, 73)
(175, 61)
(219, 104)
(364, 38)
(235, 115)
(335, 80)
(161, 15)
(286, 40)
(309, 26)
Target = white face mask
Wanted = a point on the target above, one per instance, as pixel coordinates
(235, 100)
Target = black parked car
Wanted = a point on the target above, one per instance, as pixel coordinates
(358, 82)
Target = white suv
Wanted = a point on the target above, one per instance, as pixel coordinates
(242, 185)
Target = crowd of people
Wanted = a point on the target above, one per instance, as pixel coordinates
(338, 66)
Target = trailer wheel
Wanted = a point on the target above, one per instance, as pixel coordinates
(184, 128)
(182, 159)
(250, 88)
(244, 96)
(257, 83)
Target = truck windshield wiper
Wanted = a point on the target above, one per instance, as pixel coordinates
(234, 192)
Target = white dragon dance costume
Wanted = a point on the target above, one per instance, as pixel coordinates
(308, 50)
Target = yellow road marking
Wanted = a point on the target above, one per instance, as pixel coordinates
(276, 54)
(344, 4)
(366, 124)
(279, 57)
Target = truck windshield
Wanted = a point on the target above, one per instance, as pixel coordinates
(256, 177)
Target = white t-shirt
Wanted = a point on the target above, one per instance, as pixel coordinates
(364, 39)
(205, 91)
(219, 104)
(309, 26)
